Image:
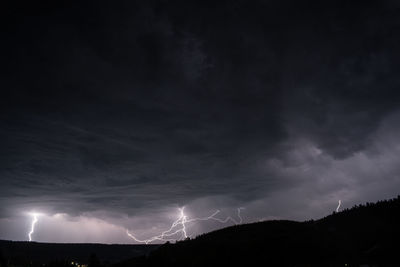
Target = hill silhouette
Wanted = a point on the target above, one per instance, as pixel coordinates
(365, 235)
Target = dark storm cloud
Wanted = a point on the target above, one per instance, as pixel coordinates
(132, 107)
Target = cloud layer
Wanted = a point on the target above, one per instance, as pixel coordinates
(116, 115)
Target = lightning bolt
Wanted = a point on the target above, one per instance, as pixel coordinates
(179, 226)
(338, 207)
(34, 221)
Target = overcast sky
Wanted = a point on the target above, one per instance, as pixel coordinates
(114, 115)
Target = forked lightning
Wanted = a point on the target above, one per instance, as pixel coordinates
(34, 221)
(179, 226)
(338, 207)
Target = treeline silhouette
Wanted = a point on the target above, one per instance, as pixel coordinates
(365, 235)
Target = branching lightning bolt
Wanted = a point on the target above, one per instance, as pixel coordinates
(179, 226)
(34, 221)
(338, 207)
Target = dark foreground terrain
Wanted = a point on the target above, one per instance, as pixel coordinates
(17, 253)
(366, 235)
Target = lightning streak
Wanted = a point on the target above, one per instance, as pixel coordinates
(34, 221)
(338, 207)
(179, 226)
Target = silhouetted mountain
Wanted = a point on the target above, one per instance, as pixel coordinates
(17, 253)
(364, 235)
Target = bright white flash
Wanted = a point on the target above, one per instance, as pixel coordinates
(34, 221)
(179, 226)
(338, 207)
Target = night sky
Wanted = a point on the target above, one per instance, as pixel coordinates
(114, 115)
